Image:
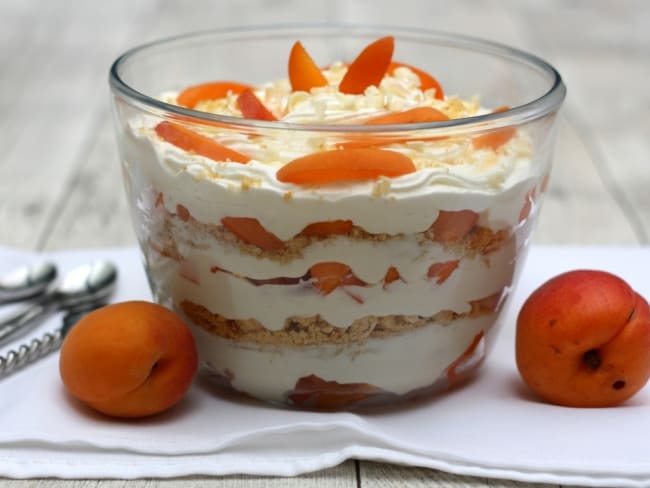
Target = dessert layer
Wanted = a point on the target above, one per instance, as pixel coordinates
(308, 331)
(271, 371)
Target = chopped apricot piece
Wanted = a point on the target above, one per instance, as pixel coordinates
(494, 140)
(452, 226)
(369, 67)
(330, 227)
(486, 305)
(345, 165)
(330, 275)
(183, 213)
(452, 369)
(213, 90)
(391, 275)
(199, 144)
(426, 80)
(252, 107)
(304, 74)
(442, 271)
(411, 116)
(314, 392)
(529, 199)
(252, 232)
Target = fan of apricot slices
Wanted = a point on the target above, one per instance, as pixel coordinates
(583, 340)
(362, 157)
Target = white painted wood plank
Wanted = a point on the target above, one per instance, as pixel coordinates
(341, 476)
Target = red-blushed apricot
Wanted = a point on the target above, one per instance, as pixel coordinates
(129, 359)
(583, 340)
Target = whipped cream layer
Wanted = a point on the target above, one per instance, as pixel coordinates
(235, 297)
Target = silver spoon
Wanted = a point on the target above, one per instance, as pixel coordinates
(37, 348)
(26, 282)
(90, 283)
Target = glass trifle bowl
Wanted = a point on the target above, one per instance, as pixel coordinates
(340, 213)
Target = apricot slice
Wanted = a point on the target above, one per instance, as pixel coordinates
(391, 275)
(453, 226)
(196, 143)
(314, 392)
(583, 340)
(426, 80)
(496, 139)
(369, 67)
(411, 116)
(252, 107)
(442, 271)
(304, 74)
(452, 370)
(129, 359)
(250, 231)
(340, 165)
(213, 90)
(330, 275)
(328, 228)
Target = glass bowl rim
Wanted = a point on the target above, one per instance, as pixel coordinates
(548, 102)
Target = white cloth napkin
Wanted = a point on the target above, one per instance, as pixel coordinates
(492, 428)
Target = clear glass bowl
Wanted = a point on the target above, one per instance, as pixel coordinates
(340, 295)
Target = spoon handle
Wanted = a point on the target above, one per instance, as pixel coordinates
(23, 319)
(28, 353)
(51, 341)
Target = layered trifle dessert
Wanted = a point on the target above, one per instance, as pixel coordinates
(345, 252)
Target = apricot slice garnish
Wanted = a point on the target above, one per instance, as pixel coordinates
(213, 90)
(452, 226)
(369, 67)
(345, 165)
(199, 144)
(304, 74)
(426, 80)
(252, 232)
(442, 271)
(496, 139)
(252, 107)
(330, 227)
(330, 275)
(411, 116)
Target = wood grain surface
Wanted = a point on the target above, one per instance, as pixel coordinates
(60, 182)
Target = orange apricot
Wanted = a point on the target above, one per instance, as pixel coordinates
(345, 165)
(442, 271)
(213, 90)
(426, 80)
(494, 140)
(411, 116)
(129, 359)
(252, 107)
(304, 74)
(452, 226)
(583, 340)
(197, 143)
(328, 228)
(330, 275)
(369, 67)
(249, 230)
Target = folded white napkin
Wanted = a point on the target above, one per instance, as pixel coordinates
(492, 428)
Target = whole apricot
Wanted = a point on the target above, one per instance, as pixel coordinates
(129, 359)
(583, 340)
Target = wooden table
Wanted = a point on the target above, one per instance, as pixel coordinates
(60, 183)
